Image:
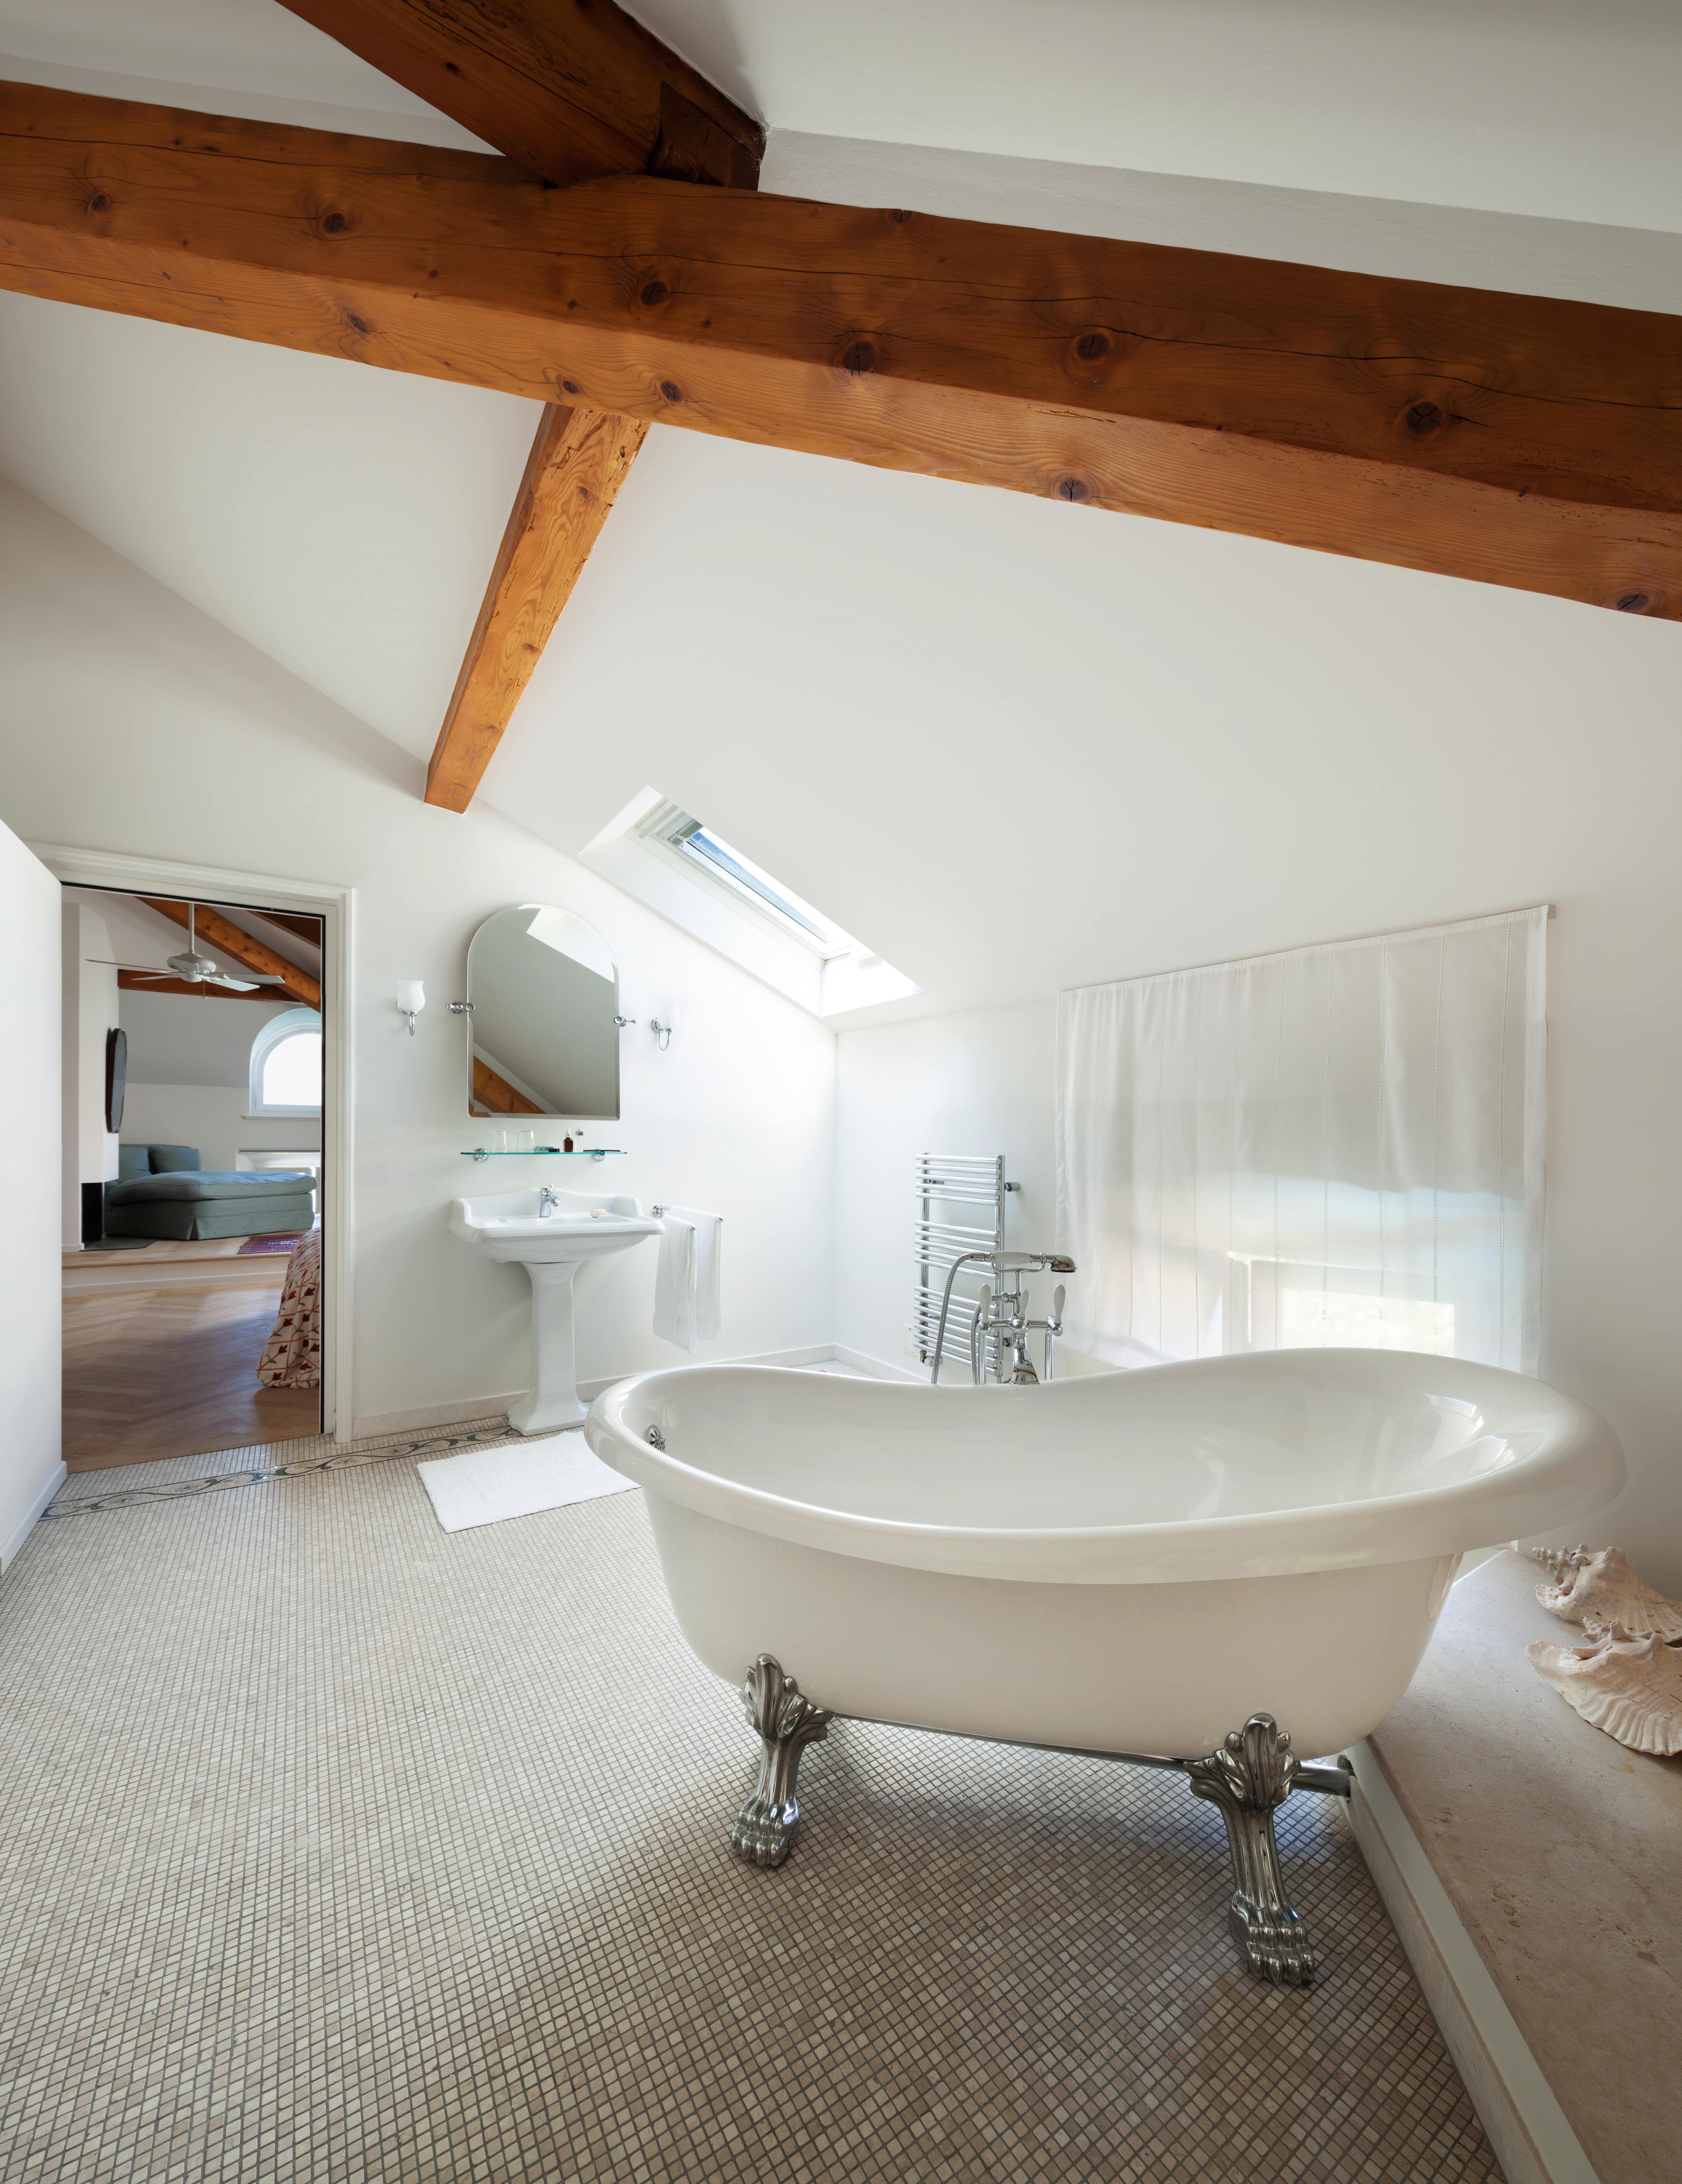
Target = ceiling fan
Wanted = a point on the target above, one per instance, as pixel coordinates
(193, 969)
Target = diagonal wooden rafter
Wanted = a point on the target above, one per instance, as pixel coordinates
(227, 938)
(298, 923)
(578, 462)
(573, 91)
(1517, 440)
(492, 1094)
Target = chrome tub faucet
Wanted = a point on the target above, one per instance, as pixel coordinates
(1002, 1312)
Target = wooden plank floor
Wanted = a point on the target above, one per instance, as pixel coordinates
(156, 1249)
(172, 1371)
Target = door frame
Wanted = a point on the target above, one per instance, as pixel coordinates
(336, 906)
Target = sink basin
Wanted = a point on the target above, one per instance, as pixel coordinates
(508, 1226)
(551, 1247)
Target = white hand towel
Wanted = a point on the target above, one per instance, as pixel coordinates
(707, 1299)
(675, 1283)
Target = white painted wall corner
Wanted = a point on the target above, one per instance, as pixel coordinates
(54, 1479)
(878, 1368)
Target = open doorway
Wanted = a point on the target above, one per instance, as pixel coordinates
(193, 1173)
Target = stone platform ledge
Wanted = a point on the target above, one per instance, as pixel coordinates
(1543, 1910)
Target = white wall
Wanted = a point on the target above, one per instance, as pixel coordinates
(173, 739)
(88, 1012)
(30, 1001)
(100, 1016)
(978, 1082)
(69, 1074)
(180, 1038)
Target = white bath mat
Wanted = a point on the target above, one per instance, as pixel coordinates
(485, 1486)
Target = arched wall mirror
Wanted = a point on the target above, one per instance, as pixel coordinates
(542, 1037)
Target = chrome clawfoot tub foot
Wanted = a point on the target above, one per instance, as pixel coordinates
(1248, 1777)
(786, 1722)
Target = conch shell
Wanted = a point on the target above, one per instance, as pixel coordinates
(1597, 1581)
(1630, 1686)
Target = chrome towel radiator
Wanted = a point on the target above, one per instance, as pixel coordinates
(960, 1210)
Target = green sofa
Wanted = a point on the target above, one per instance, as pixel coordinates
(164, 1192)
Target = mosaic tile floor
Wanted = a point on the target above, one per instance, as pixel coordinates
(334, 1846)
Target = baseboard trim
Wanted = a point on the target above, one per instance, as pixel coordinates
(815, 1353)
(377, 1423)
(27, 1523)
(878, 1368)
(1526, 2125)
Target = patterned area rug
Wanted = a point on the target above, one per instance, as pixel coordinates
(253, 1245)
(402, 1855)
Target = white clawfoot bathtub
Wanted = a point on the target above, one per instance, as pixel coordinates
(1146, 1563)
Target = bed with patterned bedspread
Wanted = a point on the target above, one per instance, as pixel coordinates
(292, 1356)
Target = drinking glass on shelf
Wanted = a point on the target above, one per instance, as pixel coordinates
(527, 1139)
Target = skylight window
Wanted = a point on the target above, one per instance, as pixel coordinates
(680, 866)
(691, 839)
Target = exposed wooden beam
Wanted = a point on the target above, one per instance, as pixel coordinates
(571, 89)
(224, 938)
(1517, 440)
(137, 982)
(571, 93)
(578, 462)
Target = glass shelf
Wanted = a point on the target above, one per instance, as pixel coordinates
(543, 1152)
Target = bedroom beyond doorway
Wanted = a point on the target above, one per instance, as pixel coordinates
(193, 1176)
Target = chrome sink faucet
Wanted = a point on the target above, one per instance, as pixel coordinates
(547, 1201)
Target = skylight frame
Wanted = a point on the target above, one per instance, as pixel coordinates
(834, 977)
(746, 885)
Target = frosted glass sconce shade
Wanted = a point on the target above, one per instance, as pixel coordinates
(411, 999)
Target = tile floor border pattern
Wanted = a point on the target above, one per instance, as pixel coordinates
(472, 1433)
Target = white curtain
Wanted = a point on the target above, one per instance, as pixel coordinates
(1340, 1146)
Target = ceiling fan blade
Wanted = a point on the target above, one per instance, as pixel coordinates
(233, 985)
(151, 970)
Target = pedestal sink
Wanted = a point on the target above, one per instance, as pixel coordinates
(551, 1247)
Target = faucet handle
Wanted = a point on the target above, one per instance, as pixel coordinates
(1057, 1297)
(983, 1303)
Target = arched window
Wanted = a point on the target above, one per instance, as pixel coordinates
(286, 1065)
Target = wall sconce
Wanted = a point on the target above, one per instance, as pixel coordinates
(411, 999)
(663, 1032)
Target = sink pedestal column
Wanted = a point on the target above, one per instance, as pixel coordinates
(553, 1401)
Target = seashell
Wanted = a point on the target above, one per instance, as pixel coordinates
(1598, 1581)
(1629, 1686)
(1559, 1560)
